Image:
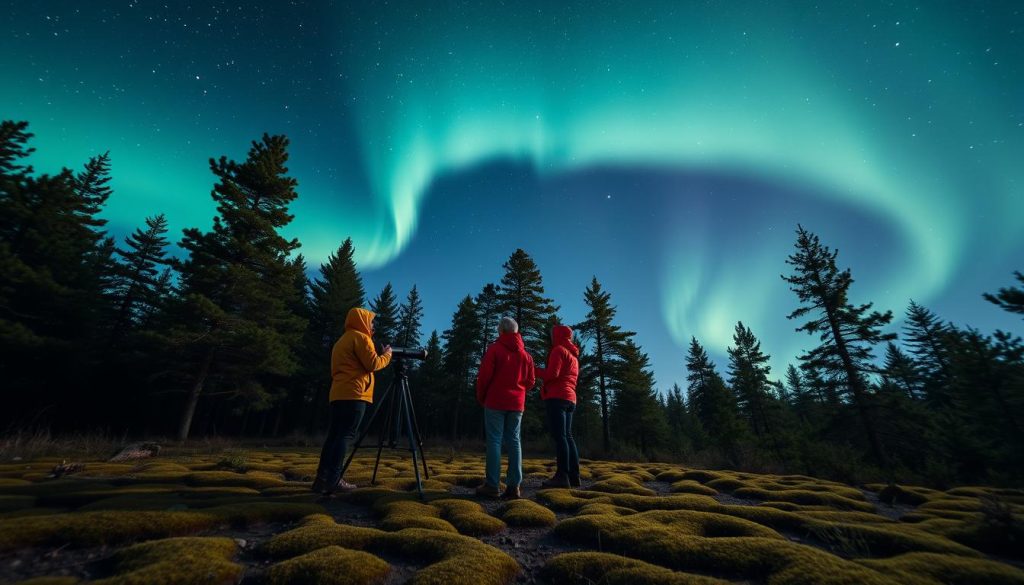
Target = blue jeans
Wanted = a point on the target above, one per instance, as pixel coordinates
(502, 427)
(560, 425)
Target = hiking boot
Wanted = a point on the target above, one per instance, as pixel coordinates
(488, 491)
(339, 488)
(511, 493)
(574, 481)
(560, 480)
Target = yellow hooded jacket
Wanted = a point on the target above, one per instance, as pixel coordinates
(354, 359)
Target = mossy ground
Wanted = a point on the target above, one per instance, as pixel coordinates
(174, 519)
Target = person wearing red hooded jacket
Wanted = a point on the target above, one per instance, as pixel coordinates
(559, 396)
(505, 374)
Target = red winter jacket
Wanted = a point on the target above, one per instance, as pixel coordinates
(505, 374)
(563, 367)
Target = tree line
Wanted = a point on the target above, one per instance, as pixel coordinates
(232, 337)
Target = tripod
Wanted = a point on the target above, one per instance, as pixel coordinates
(397, 403)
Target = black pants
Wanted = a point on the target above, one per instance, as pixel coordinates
(560, 425)
(345, 418)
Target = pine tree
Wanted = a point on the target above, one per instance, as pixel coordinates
(684, 429)
(385, 324)
(460, 361)
(410, 314)
(488, 306)
(338, 289)
(238, 285)
(636, 410)
(710, 400)
(748, 376)
(428, 384)
(52, 270)
(137, 286)
(801, 395)
(92, 190)
(899, 371)
(988, 384)
(521, 296)
(1009, 298)
(928, 340)
(847, 332)
(609, 344)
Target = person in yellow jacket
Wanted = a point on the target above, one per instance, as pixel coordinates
(354, 359)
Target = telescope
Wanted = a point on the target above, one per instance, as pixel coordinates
(412, 353)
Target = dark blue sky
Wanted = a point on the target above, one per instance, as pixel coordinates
(669, 149)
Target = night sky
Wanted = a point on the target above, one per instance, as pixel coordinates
(669, 148)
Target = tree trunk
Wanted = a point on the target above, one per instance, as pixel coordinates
(276, 432)
(606, 434)
(859, 398)
(193, 397)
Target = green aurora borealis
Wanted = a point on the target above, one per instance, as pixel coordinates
(909, 115)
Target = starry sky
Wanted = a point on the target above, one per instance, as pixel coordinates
(669, 148)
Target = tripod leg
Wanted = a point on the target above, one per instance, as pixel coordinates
(416, 428)
(362, 434)
(412, 447)
(385, 404)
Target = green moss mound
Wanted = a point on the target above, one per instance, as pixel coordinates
(671, 475)
(409, 514)
(883, 540)
(331, 565)
(665, 525)
(563, 500)
(316, 532)
(468, 517)
(453, 559)
(526, 513)
(587, 568)
(98, 528)
(176, 561)
(621, 484)
(688, 486)
(450, 557)
(725, 484)
(893, 494)
(805, 497)
(680, 547)
(937, 569)
(95, 528)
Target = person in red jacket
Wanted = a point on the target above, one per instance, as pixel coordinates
(559, 396)
(505, 374)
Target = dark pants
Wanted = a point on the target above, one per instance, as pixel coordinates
(560, 425)
(345, 417)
